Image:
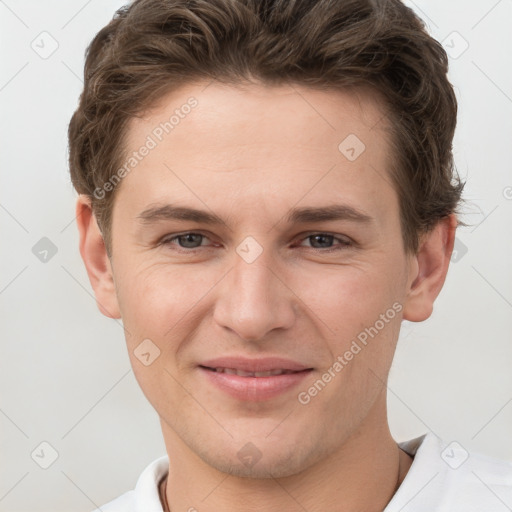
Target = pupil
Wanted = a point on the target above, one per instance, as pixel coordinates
(325, 238)
(189, 240)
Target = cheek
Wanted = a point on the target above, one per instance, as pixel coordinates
(347, 298)
(154, 298)
(358, 310)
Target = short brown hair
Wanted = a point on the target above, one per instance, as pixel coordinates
(152, 47)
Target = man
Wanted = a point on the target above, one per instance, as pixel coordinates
(266, 191)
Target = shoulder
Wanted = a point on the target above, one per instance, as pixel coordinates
(482, 478)
(145, 497)
(446, 477)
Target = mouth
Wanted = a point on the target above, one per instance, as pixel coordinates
(253, 380)
(243, 373)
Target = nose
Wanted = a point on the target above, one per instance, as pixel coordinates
(254, 300)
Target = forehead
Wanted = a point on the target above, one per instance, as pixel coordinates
(257, 113)
(258, 143)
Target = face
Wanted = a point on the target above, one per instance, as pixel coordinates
(261, 236)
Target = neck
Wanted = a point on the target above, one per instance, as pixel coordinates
(369, 459)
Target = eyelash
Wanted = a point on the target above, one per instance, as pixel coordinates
(344, 244)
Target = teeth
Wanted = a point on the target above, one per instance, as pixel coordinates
(242, 373)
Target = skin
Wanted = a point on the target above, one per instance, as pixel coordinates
(251, 155)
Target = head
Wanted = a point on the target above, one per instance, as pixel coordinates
(314, 140)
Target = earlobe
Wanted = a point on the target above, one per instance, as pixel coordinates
(429, 269)
(95, 258)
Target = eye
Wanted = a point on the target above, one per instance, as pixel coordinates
(185, 240)
(325, 241)
(319, 241)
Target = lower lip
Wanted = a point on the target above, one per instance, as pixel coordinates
(254, 389)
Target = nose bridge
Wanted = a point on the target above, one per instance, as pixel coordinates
(253, 301)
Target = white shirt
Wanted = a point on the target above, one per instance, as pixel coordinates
(442, 478)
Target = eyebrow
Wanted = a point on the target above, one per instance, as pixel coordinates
(327, 213)
(294, 216)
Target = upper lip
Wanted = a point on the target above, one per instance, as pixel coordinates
(255, 365)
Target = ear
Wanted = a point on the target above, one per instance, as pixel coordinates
(428, 270)
(96, 260)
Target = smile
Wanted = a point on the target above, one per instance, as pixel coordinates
(253, 380)
(243, 373)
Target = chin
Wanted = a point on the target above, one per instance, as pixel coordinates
(269, 462)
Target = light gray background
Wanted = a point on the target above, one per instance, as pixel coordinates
(64, 371)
